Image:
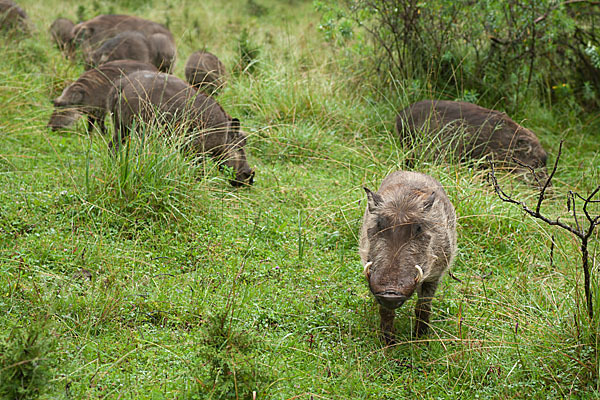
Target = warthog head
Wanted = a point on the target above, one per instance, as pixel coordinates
(233, 155)
(400, 255)
(66, 107)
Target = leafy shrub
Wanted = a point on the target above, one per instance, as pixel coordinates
(507, 51)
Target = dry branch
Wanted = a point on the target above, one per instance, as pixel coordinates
(583, 233)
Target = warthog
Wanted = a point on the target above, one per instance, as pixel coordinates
(12, 17)
(60, 30)
(471, 131)
(128, 45)
(91, 35)
(407, 242)
(88, 94)
(156, 98)
(205, 72)
(133, 45)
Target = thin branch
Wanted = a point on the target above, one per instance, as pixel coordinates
(564, 3)
(571, 196)
(506, 198)
(585, 204)
(530, 168)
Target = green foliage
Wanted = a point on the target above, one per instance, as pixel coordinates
(248, 53)
(24, 362)
(228, 361)
(508, 51)
(134, 256)
(149, 176)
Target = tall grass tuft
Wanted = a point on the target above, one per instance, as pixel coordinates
(148, 176)
(24, 362)
(227, 364)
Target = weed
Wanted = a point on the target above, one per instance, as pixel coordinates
(25, 362)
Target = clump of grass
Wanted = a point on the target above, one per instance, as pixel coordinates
(148, 176)
(227, 366)
(24, 366)
(248, 53)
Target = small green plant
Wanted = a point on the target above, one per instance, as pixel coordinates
(227, 365)
(24, 365)
(248, 53)
(149, 175)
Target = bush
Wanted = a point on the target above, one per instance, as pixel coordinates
(505, 51)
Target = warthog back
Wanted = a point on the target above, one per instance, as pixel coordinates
(469, 131)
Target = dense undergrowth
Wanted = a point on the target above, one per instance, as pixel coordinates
(148, 276)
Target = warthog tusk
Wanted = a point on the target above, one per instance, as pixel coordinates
(366, 271)
(419, 272)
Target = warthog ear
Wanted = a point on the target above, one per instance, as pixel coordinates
(77, 96)
(234, 135)
(374, 200)
(524, 145)
(429, 202)
(234, 125)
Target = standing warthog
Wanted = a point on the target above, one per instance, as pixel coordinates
(205, 71)
(12, 17)
(471, 131)
(407, 242)
(155, 98)
(60, 30)
(89, 93)
(91, 35)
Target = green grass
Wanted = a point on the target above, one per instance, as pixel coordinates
(165, 282)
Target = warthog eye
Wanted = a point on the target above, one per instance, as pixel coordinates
(417, 229)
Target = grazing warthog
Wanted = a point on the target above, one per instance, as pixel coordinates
(407, 242)
(91, 35)
(12, 17)
(133, 45)
(128, 45)
(471, 131)
(205, 72)
(60, 30)
(156, 98)
(89, 93)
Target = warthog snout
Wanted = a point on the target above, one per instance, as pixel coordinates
(390, 299)
(243, 178)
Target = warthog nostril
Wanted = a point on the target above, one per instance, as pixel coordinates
(390, 299)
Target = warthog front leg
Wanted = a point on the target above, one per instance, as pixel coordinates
(387, 324)
(423, 307)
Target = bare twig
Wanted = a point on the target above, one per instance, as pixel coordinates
(577, 229)
(454, 277)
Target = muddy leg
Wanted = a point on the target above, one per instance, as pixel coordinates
(423, 308)
(387, 324)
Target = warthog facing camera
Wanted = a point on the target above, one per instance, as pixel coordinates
(407, 242)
